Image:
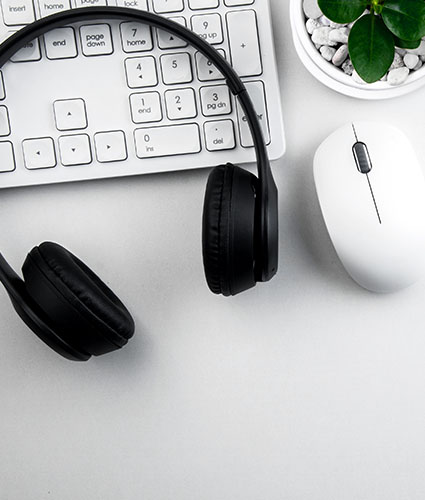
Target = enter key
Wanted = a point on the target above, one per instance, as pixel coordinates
(256, 92)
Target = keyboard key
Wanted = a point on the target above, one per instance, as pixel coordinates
(216, 100)
(70, 114)
(135, 37)
(39, 153)
(48, 7)
(169, 41)
(145, 107)
(2, 88)
(141, 72)
(4, 121)
(208, 27)
(206, 69)
(89, 3)
(180, 104)
(60, 43)
(203, 4)
(29, 52)
(75, 150)
(110, 146)
(256, 92)
(17, 12)
(219, 135)
(96, 40)
(244, 42)
(234, 3)
(163, 6)
(176, 68)
(167, 141)
(133, 4)
(7, 158)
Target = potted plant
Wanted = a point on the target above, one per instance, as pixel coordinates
(375, 34)
(364, 48)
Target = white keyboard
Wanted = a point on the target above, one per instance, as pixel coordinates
(108, 99)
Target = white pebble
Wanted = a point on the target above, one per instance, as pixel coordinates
(418, 66)
(323, 20)
(420, 51)
(327, 52)
(321, 36)
(311, 9)
(400, 51)
(397, 62)
(339, 35)
(398, 76)
(311, 25)
(340, 55)
(411, 60)
(357, 78)
(347, 67)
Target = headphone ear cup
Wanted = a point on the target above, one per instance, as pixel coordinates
(85, 313)
(228, 231)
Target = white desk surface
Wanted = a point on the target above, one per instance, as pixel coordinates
(305, 388)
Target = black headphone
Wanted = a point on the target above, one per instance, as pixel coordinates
(68, 306)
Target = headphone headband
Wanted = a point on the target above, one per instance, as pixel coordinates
(268, 224)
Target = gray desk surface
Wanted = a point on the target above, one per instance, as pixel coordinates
(307, 388)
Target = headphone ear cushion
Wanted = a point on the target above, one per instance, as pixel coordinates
(84, 308)
(228, 232)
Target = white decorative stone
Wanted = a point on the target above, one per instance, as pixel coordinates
(411, 60)
(311, 25)
(400, 51)
(340, 55)
(324, 21)
(397, 62)
(321, 36)
(347, 67)
(327, 52)
(418, 66)
(311, 9)
(339, 35)
(398, 76)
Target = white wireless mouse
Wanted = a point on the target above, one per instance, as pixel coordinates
(371, 191)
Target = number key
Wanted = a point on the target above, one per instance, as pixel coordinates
(141, 72)
(135, 37)
(215, 100)
(176, 68)
(208, 27)
(206, 69)
(180, 104)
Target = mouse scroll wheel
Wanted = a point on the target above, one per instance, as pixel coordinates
(361, 155)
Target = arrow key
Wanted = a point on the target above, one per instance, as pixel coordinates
(169, 41)
(70, 114)
(180, 104)
(110, 146)
(39, 153)
(75, 150)
(206, 70)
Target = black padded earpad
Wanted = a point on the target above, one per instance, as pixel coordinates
(228, 232)
(88, 315)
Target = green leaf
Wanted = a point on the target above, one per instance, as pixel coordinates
(406, 44)
(371, 47)
(405, 18)
(342, 11)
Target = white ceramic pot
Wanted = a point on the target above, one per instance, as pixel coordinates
(334, 77)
